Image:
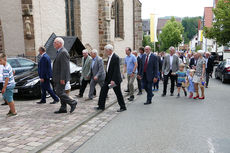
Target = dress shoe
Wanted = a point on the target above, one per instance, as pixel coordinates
(139, 93)
(185, 93)
(99, 108)
(201, 98)
(79, 96)
(171, 94)
(4, 104)
(54, 102)
(126, 90)
(121, 110)
(73, 107)
(131, 98)
(60, 112)
(41, 102)
(88, 99)
(148, 102)
(163, 95)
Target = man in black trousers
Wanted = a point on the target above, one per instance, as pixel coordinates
(139, 65)
(209, 67)
(112, 80)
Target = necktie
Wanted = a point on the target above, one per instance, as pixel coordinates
(146, 63)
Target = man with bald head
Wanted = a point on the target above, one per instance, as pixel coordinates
(61, 75)
(149, 72)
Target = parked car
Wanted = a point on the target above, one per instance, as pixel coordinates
(223, 71)
(28, 83)
(21, 65)
(215, 57)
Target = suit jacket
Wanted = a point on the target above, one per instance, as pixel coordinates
(160, 63)
(139, 65)
(61, 68)
(44, 67)
(166, 64)
(98, 69)
(86, 68)
(152, 67)
(192, 62)
(210, 65)
(114, 73)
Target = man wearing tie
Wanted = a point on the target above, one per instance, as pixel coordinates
(112, 80)
(45, 73)
(149, 72)
(169, 69)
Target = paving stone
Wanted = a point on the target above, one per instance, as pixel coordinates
(7, 149)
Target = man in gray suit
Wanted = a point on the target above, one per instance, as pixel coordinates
(86, 72)
(97, 73)
(61, 75)
(169, 69)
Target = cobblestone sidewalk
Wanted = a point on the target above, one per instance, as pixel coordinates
(37, 124)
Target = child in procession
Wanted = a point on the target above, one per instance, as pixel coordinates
(181, 79)
(8, 85)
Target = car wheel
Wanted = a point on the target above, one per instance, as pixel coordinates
(222, 79)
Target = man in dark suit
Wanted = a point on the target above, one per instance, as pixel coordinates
(139, 65)
(45, 73)
(209, 67)
(149, 72)
(112, 80)
(61, 75)
(193, 61)
(169, 69)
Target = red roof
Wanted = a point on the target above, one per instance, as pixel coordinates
(208, 16)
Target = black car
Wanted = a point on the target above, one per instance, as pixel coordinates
(28, 83)
(223, 71)
(21, 65)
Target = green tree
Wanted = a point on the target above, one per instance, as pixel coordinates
(190, 25)
(171, 34)
(147, 41)
(220, 31)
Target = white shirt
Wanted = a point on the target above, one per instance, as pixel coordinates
(206, 59)
(1, 73)
(171, 61)
(109, 61)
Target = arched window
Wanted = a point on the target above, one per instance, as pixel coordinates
(119, 19)
(69, 6)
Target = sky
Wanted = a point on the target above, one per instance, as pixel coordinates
(179, 8)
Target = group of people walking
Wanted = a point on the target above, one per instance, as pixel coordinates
(148, 68)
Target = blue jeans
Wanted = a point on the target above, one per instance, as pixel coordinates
(148, 87)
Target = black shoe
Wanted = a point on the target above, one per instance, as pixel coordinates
(163, 95)
(54, 102)
(60, 111)
(178, 95)
(99, 108)
(41, 102)
(4, 104)
(131, 98)
(185, 94)
(73, 107)
(171, 94)
(121, 110)
(148, 102)
(126, 90)
(79, 96)
(139, 93)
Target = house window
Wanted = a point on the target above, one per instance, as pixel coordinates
(119, 19)
(69, 6)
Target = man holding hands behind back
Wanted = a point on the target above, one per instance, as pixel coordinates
(61, 75)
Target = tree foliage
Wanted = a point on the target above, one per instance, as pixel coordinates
(171, 34)
(190, 25)
(220, 31)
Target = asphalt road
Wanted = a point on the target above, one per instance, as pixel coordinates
(170, 125)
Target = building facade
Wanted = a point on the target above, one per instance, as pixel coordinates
(27, 24)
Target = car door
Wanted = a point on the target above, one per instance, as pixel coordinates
(25, 64)
(15, 65)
